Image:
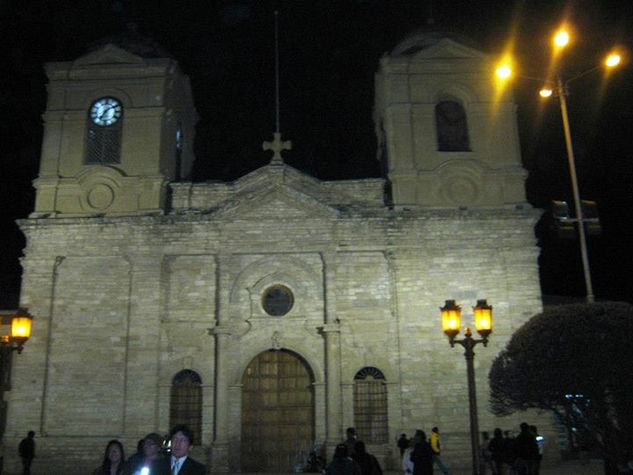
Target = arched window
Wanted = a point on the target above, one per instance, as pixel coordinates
(451, 126)
(104, 125)
(186, 402)
(370, 406)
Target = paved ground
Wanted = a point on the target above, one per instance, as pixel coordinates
(564, 468)
(574, 467)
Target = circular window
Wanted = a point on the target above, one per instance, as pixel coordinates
(277, 300)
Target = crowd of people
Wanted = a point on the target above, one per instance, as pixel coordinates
(520, 455)
(420, 454)
(151, 458)
(350, 458)
(501, 455)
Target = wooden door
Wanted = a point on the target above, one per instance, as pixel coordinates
(277, 412)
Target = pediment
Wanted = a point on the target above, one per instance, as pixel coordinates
(277, 202)
(447, 48)
(289, 178)
(108, 54)
(278, 175)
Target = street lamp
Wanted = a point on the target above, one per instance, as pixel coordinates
(561, 40)
(20, 323)
(451, 324)
(560, 89)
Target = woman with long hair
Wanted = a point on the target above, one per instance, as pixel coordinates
(113, 458)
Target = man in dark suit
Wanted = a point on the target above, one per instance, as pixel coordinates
(179, 463)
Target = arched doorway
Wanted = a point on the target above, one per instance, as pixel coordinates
(277, 412)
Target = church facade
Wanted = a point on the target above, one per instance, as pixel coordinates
(272, 312)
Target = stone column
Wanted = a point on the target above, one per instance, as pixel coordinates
(334, 415)
(332, 338)
(320, 425)
(220, 447)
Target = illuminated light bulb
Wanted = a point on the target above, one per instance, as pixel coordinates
(561, 39)
(504, 71)
(613, 60)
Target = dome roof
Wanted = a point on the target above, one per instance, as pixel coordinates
(427, 36)
(132, 41)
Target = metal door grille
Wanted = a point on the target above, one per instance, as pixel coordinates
(370, 406)
(186, 402)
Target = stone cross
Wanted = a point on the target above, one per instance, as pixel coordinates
(277, 146)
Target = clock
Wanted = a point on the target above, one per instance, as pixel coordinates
(106, 111)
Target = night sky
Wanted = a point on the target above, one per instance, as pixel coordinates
(329, 52)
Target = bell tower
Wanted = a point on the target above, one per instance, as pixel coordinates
(118, 127)
(448, 136)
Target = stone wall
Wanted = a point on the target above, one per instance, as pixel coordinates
(122, 304)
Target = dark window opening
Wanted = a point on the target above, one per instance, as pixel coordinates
(452, 128)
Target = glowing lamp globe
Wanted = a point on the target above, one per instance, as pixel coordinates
(451, 318)
(21, 324)
(483, 318)
(561, 39)
(21, 327)
(612, 60)
(504, 71)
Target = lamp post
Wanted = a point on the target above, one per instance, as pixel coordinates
(451, 323)
(561, 40)
(20, 323)
(582, 237)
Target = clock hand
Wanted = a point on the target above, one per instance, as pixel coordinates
(105, 110)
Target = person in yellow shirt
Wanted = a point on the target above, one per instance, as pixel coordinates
(434, 440)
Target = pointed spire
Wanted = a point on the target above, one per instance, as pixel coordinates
(277, 145)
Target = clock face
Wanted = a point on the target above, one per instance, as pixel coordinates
(105, 111)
